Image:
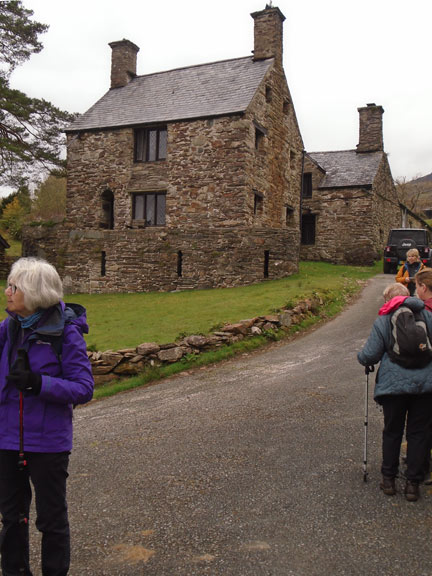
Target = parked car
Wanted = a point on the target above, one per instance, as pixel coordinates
(402, 239)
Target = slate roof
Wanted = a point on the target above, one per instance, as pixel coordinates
(214, 89)
(347, 167)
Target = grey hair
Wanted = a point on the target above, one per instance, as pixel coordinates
(396, 289)
(38, 281)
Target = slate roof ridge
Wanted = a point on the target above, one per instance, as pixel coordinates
(337, 151)
(179, 68)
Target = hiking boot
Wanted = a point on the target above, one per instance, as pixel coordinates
(411, 491)
(428, 479)
(388, 486)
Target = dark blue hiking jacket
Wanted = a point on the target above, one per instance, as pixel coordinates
(392, 378)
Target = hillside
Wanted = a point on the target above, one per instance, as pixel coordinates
(416, 194)
(427, 178)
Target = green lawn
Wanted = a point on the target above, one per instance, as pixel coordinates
(125, 320)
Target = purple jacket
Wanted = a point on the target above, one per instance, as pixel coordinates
(47, 418)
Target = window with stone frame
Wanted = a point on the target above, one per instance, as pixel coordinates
(260, 134)
(308, 226)
(150, 144)
(268, 94)
(307, 185)
(289, 215)
(148, 208)
(258, 203)
(107, 216)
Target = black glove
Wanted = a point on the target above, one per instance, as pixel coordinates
(369, 369)
(22, 377)
(25, 381)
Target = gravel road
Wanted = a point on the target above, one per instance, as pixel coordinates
(251, 467)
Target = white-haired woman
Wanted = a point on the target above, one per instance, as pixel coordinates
(44, 372)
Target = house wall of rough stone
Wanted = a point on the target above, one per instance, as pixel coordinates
(274, 170)
(147, 259)
(386, 211)
(352, 224)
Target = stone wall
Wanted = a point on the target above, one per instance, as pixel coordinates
(114, 364)
(148, 260)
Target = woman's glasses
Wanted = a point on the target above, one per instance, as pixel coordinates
(12, 288)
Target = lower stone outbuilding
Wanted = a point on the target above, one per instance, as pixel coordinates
(349, 200)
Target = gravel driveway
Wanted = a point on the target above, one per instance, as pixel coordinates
(251, 467)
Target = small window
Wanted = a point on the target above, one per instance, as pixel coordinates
(150, 207)
(260, 133)
(289, 215)
(259, 138)
(307, 185)
(179, 263)
(268, 94)
(308, 223)
(286, 107)
(258, 203)
(266, 263)
(150, 144)
(103, 263)
(107, 219)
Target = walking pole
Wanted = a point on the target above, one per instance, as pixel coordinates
(368, 369)
(22, 362)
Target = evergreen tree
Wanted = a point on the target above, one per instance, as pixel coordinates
(31, 138)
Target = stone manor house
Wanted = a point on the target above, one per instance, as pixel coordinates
(189, 178)
(197, 178)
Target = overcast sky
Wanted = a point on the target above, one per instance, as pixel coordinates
(338, 55)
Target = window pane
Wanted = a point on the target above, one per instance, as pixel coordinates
(139, 207)
(161, 201)
(151, 153)
(150, 210)
(139, 145)
(307, 185)
(162, 144)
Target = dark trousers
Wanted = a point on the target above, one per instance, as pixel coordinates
(427, 464)
(416, 411)
(48, 474)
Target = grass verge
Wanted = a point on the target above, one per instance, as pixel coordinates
(333, 303)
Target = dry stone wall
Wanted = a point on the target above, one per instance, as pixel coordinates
(112, 365)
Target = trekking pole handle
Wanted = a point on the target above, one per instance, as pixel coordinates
(369, 369)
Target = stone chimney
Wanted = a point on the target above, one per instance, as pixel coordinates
(268, 34)
(123, 62)
(371, 129)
